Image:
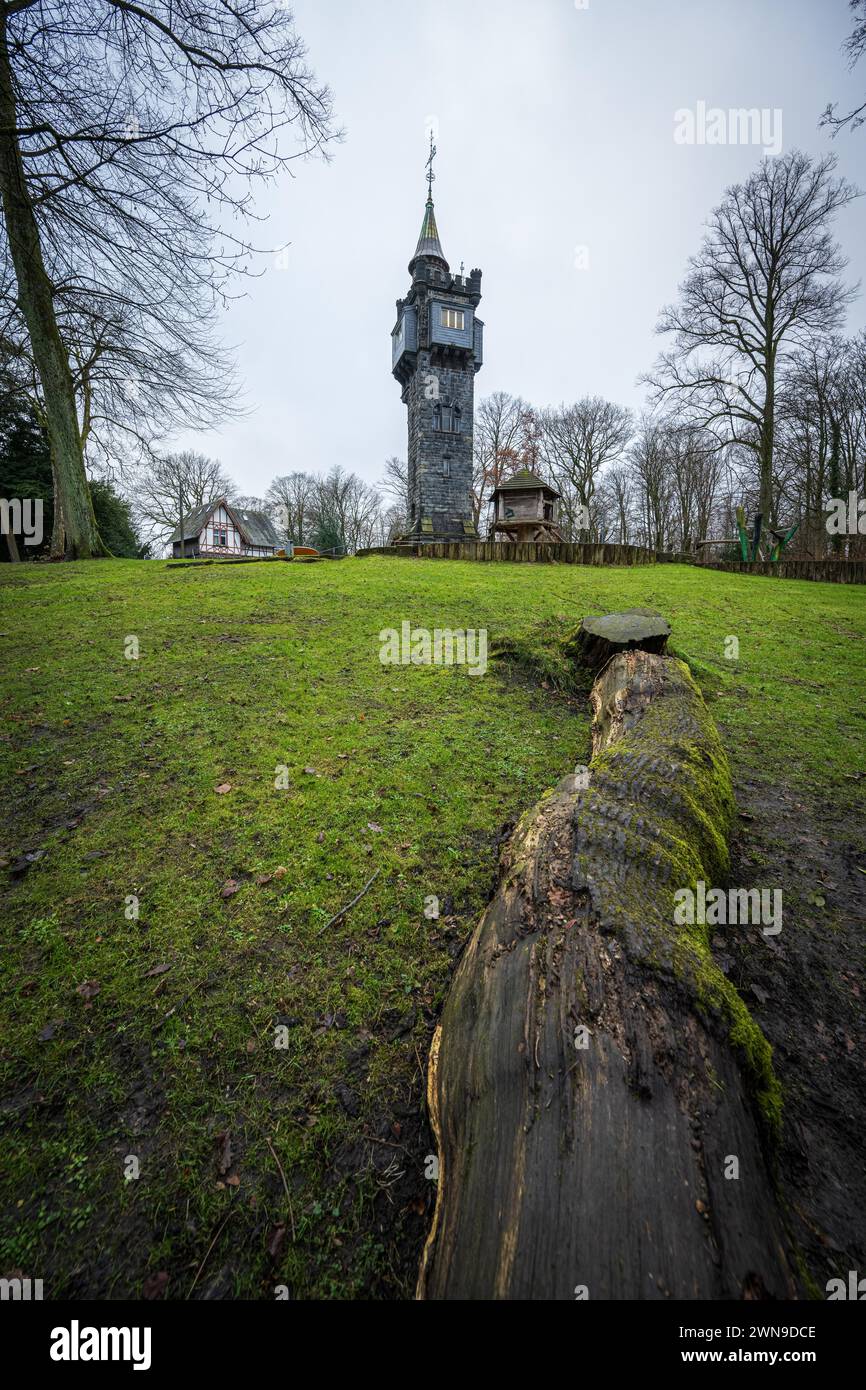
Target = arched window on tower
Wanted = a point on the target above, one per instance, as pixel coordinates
(456, 420)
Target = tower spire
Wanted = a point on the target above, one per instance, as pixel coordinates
(429, 245)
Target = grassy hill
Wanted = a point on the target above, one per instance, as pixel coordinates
(153, 1037)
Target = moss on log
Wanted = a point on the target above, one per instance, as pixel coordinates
(594, 1072)
(596, 640)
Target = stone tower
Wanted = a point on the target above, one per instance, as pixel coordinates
(437, 347)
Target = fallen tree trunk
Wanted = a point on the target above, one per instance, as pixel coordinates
(601, 1099)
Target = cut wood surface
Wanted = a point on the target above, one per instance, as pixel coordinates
(594, 1073)
(598, 639)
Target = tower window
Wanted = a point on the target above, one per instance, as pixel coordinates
(446, 468)
(452, 318)
(437, 418)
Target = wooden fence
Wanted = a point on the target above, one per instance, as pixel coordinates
(830, 571)
(826, 571)
(523, 552)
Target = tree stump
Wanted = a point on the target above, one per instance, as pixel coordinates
(596, 640)
(596, 1081)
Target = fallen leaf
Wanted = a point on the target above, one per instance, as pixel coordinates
(157, 970)
(224, 1151)
(88, 989)
(275, 1244)
(280, 872)
(229, 888)
(124, 699)
(223, 788)
(233, 1181)
(371, 825)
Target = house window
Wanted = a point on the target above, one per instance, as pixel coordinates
(220, 537)
(452, 318)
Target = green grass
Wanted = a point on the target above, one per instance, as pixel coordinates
(110, 767)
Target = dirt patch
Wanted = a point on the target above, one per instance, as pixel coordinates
(806, 988)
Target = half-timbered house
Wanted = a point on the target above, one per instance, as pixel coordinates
(221, 528)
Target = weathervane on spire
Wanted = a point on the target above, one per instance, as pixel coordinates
(429, 166)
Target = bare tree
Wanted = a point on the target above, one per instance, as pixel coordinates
(395, 483)
(855, 47)
(362, 512)
(617, 485)
(498, 444)
(394, 520)
(695, 463)
(822, 429)
(131, 133)
(852, 391)
(390, 523)
(764, 281)
(649, 465)
(578, 442)
(173, 487)
(290, 502)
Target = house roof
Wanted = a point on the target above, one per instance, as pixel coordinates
(255, 527)
(193, 523)
(524, 481)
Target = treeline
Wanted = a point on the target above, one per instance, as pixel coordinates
(130, 156)
(664, 480)
(758, 399)
(336, 512)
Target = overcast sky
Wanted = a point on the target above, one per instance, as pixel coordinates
(558, 173)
